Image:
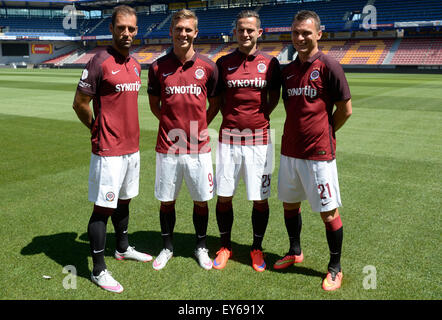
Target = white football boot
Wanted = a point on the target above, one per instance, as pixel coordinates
(202, 255)
(162, 259)
(132, 254)
(105, 281)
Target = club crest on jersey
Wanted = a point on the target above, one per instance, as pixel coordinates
(84, 74)
(314, 75)
(199, 73)
(110, 196)
(136, 71)
(261, 67)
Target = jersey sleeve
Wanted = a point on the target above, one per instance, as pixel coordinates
(339, 89)
(212, 82)
(153, 85)
(283, 76)
(221, 85)
(90, 77)
(275, 78)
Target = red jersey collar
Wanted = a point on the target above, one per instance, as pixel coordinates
(191, 61)
(250, 56)
(311, 59)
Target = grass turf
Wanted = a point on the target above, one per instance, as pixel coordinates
(389, 161)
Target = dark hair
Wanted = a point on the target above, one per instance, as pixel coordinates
(249, 14)
(123, 10)
(307, 14)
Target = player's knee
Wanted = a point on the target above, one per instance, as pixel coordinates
(123, 201)
(201, 204)
(224, 199)
(224, 204)
(291, 206)
(329, 216)
(261, 205)
(103, 210)
(201, 208)
(167, 207)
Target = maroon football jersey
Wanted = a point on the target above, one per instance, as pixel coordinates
(184, 89)
(310, 91)
(245, 81)
(113, 81)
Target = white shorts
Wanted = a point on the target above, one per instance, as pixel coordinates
(316, 181)
(252, 162)
(196, 169)
(113, 178)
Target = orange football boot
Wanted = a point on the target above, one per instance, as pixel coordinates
(258, 262)
(288, 260)
(222, 256)
(332, 281)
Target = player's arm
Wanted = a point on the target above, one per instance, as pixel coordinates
(273, 99)
(214, 107)
(214, 92)
(83, 109)
(155, 105)
(342, 113)
(274, 91)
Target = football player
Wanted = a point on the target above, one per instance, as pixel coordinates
(250, 85)
(313, 85)
(112, 80)
(179, 85)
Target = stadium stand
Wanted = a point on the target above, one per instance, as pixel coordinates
(148, 23)
(85, 57)
(366, 51)
(208, 49)
(335, 16)
(149, 53)
(407, 10)
(406, 32)
(60, 59)
(33, 26)
(273, 48)
(217, 22)
(418, 51)
(146, 54)
(347, 52)
(336, 49)
(332, 13)
(227, 48)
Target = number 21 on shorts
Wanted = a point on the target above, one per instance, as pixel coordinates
(325, 192)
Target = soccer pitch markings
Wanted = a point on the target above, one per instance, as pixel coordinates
(389, 159)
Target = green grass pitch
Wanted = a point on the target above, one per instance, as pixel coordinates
(389, 157)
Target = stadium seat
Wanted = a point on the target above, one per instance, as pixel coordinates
(83, 59)
(357, 51)
(59, 60)
(149, 53)
(419, 51)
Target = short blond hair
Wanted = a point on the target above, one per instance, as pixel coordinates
(184, 14)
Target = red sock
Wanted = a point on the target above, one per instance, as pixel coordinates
(334, 224)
